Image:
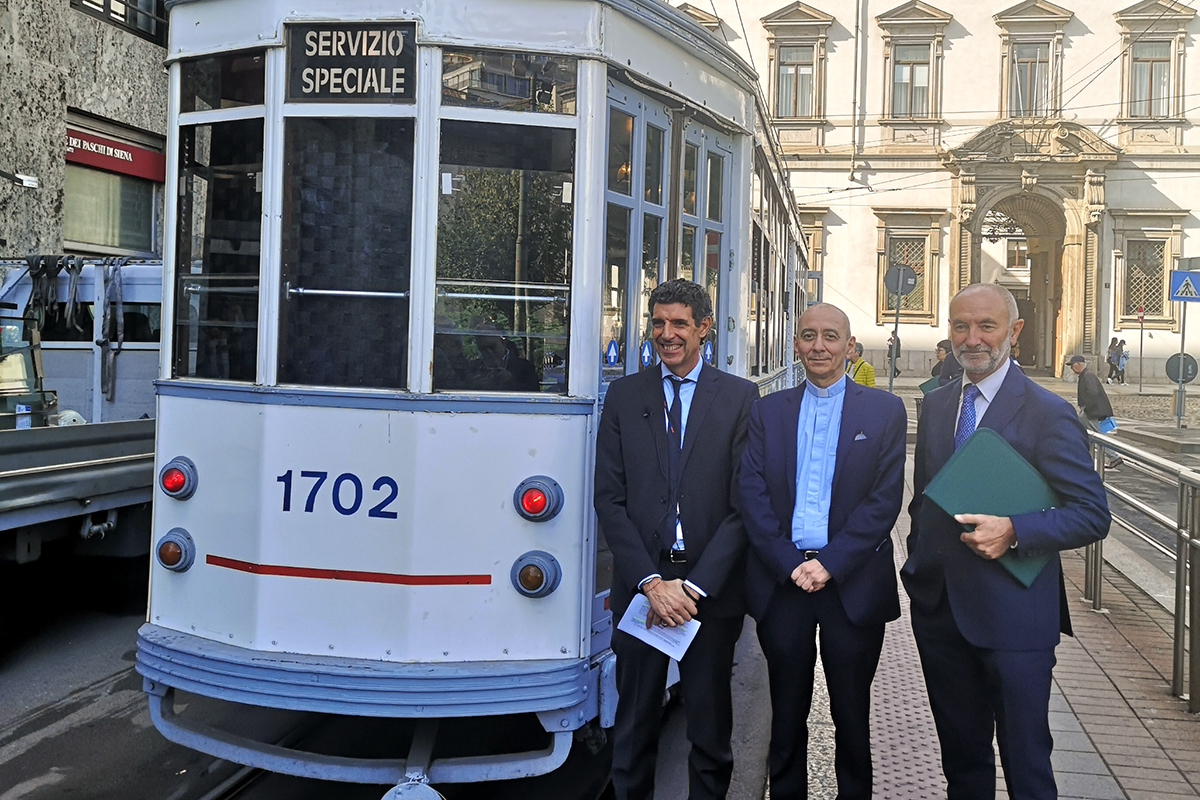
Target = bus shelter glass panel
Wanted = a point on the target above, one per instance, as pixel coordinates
(225, 81)
(511, 81)
(347, 241)
(504, 241)
(217, 250)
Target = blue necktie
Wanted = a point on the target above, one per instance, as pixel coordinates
(966, 416)
(674, 446)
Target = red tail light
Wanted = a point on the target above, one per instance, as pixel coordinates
(533, 501)
(538, 499)
(178, 478)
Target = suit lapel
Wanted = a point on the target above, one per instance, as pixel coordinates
(655, 403)
(941, 419)
(848, 430)
(702, 400)
(790, 424)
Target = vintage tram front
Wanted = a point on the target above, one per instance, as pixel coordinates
(408, 254)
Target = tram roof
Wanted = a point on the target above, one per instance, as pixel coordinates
(581, 28)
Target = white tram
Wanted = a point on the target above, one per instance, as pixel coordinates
(409, 245)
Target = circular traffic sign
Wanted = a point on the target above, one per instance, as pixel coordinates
(900, 279)
(1189, 368)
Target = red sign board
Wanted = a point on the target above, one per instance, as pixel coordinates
(128, 159)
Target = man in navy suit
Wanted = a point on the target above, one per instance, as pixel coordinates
(986, 640)
(821, 485)
(666, 454)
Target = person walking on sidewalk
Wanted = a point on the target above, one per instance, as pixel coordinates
(820, 487)
(861, 371)
(1093, 403)
(1122, 360)
(985, 639)
(1110, 358)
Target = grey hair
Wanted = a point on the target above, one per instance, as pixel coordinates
(858, 348)
(1010, 302)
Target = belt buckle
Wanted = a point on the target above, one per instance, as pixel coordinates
(677, 556)
(809, 555)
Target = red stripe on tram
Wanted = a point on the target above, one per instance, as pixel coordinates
(346, 574)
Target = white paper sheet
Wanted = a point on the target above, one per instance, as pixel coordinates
(672, 641)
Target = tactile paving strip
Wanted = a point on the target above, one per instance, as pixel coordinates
(907, 758)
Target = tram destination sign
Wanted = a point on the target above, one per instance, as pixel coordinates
(368, 62)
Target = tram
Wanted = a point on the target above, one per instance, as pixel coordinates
(409, 247)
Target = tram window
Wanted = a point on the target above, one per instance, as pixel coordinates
(654, 164)
(504, 258)
(714, 187)
(347, 231)
(512, 81)
(651, 272)
(620, 152)
(612, 326)
(712, 277)
(217, 250)
(691, 154)
(223, 81)
(687, 253)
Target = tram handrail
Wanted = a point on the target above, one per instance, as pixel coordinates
(291, 290)
(1185, 526)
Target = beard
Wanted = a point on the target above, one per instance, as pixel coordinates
(983, 361)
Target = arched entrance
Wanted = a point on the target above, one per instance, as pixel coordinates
(1047, 177)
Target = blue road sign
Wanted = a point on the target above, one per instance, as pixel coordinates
(708, 352)
(611, 353)
(647, 354)
(1185, 286)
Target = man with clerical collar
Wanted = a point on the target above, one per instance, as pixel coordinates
(821, 483)
(986, 639)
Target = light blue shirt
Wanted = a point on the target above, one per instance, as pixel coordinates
(820, 422)
(686, 392)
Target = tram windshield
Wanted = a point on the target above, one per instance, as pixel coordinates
(503, 258)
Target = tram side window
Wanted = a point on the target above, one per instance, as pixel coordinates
(503, 258)
(224, 81)
(217, 250)
(347, 243)
(512, 81)
(142, 323)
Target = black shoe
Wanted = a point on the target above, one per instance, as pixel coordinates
(1116, 462)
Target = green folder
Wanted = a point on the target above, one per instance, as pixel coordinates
(929, 385)
(987, 476)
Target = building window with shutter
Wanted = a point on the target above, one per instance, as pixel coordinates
(911, 81)
(1150, 79)
(795, 81)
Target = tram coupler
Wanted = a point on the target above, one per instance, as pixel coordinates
(88, 528)
(420, 755)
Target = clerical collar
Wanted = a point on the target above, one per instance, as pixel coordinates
(832, 391)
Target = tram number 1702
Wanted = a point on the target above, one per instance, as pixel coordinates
(383, 484)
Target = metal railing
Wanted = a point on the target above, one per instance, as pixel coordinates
(1186, 528)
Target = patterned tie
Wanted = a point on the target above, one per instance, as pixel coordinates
(966, 416)
(674, 446)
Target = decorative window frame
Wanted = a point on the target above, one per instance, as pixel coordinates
(1154, 21)
(914, 23)
(1032, 22)
(704, 19)
(909, 222)
(1164, 225)
(799, 25)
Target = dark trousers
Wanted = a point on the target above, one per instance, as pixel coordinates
(975, 692)
(849, 654)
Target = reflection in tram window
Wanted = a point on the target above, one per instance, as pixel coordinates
(651, 272)
(654, 164)
(504, 246)
(712, 273)
(512, 81)
(347, 230)
(616, 267)
(217, 250)
(223, 81)
(687, 253)
(714, 187)
(691, 154)
(620, 152)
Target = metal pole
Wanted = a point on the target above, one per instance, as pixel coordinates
(1194, 611)
(895, 340)
(1093, 580)
(1089, 552)
(1141, 347)
(1181, 583)
(1179, 390)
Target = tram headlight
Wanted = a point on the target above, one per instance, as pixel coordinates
(178, 478)
(536, 574)
(176, 551)
(538, 499)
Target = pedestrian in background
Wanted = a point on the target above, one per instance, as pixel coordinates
(1111, 359)
(943, 350)
(986, 640)
(821, 482)
(861, 371)
(1122, 360)
(1093, 403)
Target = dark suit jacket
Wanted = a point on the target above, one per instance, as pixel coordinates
(1092, 397)
(868, 486)
(632, 485)
(992, 609)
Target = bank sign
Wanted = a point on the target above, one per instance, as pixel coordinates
(370, 62)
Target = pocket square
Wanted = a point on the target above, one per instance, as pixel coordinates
(860, 437)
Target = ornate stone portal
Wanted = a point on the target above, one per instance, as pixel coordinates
(1048, 175)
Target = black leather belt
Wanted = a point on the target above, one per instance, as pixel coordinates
(809, 555)
(675, 556)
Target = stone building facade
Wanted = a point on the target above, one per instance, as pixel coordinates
(1050, 148)
(83, 115)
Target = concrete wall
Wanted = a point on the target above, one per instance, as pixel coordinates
(53, 57)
